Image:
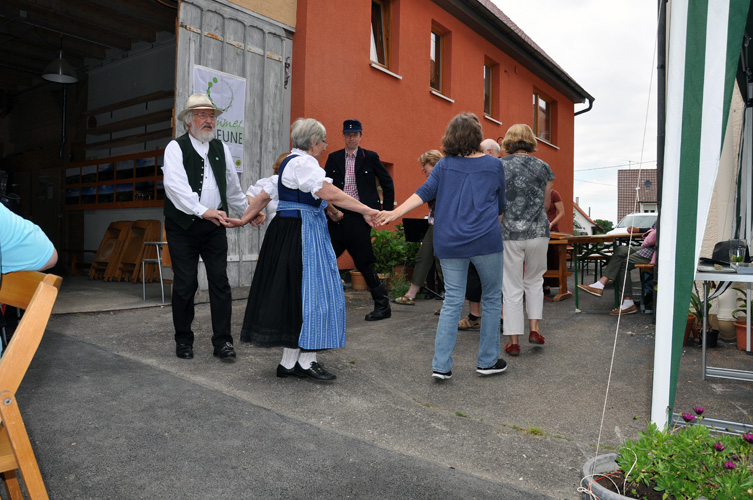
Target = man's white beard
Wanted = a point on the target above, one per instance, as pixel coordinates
(204, 135)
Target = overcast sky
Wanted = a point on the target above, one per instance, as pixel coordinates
(608, 48)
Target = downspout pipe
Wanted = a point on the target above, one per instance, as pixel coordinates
(589, 108)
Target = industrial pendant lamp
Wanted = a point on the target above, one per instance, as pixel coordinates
(60, 70)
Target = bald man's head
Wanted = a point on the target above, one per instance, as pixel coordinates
(490, 147)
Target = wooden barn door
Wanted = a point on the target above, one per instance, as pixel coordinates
(234, 40)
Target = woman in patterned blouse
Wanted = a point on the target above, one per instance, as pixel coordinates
(525, 230)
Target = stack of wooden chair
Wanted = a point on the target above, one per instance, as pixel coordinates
(135, 250)
(123, 248)
(108, 254)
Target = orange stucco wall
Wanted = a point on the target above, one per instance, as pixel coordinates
(278, 10)
(332, 80)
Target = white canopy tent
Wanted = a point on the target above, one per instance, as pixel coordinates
(706, 39)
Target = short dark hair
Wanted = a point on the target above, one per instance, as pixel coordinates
(463, 136)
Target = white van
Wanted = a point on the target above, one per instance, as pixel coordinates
(641, 220)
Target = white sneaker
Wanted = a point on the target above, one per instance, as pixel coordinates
(442, 375)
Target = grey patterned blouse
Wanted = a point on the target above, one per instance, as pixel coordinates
(525, 217)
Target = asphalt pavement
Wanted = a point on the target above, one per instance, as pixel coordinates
(114, 414)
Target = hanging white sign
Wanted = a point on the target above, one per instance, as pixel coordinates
(228, 94)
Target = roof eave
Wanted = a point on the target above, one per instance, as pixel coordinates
(487, 20)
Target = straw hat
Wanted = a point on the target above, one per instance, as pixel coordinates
(197, 101)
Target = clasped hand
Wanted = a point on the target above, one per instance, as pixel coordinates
(385, 217)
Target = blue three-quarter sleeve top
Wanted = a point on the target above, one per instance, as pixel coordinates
(470, 197)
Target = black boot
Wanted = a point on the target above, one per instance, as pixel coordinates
(381, 304)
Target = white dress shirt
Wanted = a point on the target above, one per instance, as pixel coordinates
(179, 191)
(269, 186)
(304, 173)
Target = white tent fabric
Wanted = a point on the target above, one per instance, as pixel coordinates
(704, 46)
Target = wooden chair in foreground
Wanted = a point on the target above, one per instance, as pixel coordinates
(36, 293)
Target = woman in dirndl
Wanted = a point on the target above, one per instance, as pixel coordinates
(296, 299)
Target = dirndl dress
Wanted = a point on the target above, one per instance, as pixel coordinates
(296, 298)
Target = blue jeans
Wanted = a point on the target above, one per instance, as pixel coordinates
(489, 269)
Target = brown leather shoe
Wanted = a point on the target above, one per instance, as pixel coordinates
(513, 349)
(593, 291)
(535, 338)
(629, 310)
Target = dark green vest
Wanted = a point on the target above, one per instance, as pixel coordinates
(194, 165)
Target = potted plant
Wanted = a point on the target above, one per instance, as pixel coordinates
(410, 249)
(698, 310)
(388, 250)
(686, 462)
(739, 315)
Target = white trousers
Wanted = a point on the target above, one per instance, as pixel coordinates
(524, 268)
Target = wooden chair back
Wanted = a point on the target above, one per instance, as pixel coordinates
(36, 293)
(134, 249)
(108, 254)
(166, 260)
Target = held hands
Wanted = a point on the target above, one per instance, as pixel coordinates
(371, 217)
(259, 220)
(218, 217)
(336, 216)
(234, 222)
(385, 217)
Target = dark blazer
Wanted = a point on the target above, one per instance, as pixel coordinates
(368, 169)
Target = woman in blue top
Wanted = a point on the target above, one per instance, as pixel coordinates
(469, 188)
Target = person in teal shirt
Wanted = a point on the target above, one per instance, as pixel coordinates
(23, 244)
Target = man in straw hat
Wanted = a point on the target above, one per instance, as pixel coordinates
(200, 185)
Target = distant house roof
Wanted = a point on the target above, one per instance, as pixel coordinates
(627, 195)
(584, 214)
(489, 21)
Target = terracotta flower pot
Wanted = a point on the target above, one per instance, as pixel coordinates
(357, 281)
(405, 271)
(741, 335)
(689, 329)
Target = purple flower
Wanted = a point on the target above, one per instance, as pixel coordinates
(730, 465)
(699, 410)
(748, 437)
(688, 417)
(719, 447)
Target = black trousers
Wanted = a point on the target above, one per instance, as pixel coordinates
(473, 285)
(209, 241)
(353, 234)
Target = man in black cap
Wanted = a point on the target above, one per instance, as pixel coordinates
(355, 170)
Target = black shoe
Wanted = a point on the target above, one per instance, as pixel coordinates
(317, 372)
(381, 304)
(283, 372)
(184, 351)
(442, 375)
(225, 352)
(498, 367)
